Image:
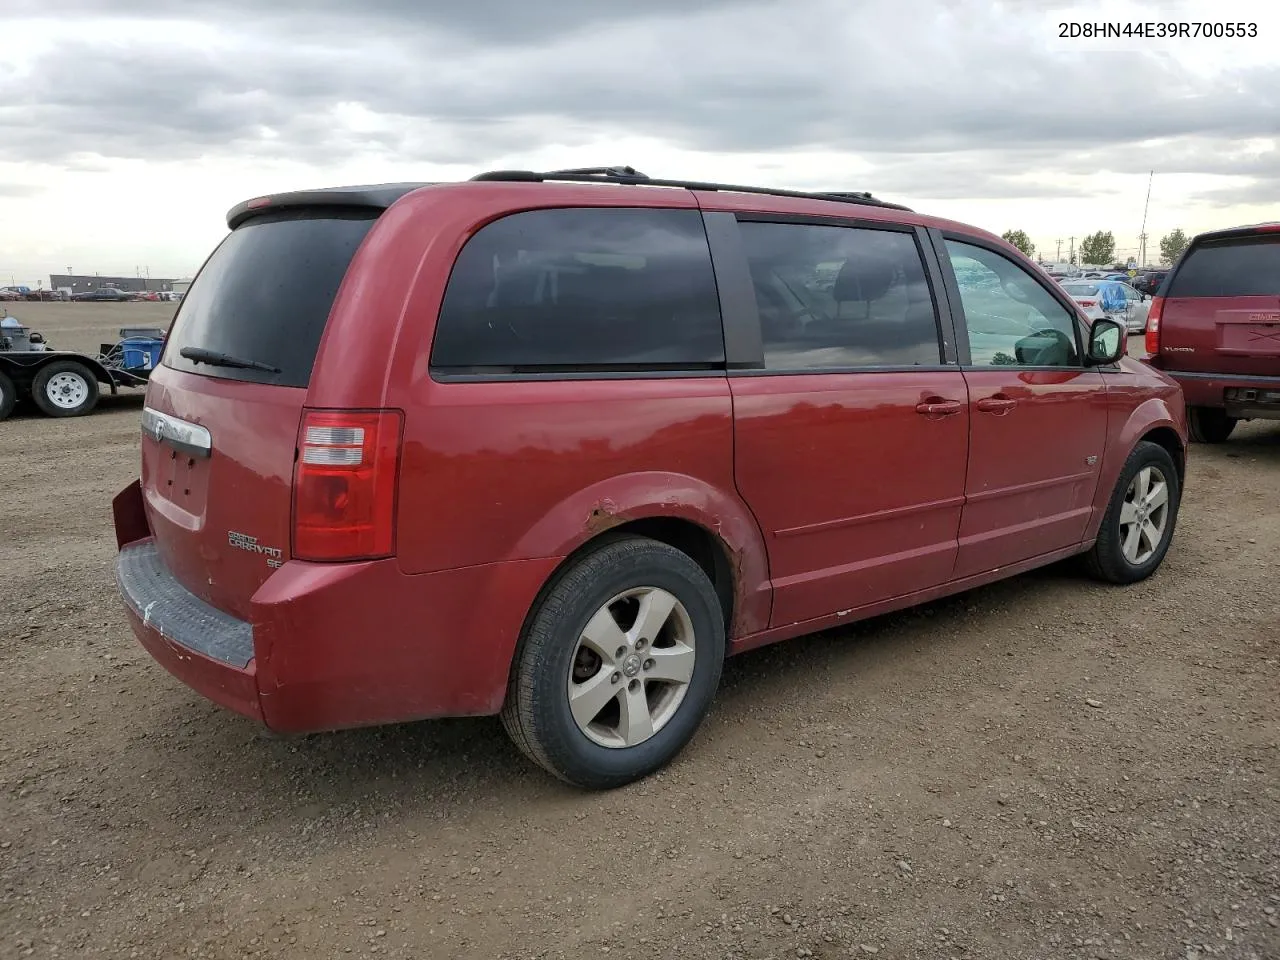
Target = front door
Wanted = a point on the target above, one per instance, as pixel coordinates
(850, 446)
(1038, 416)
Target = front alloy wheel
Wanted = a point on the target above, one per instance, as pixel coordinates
(1138, 526)
(1144, 515)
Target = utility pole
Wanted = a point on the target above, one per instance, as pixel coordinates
(1058, 257)
(1142, 237)
(1071, 258)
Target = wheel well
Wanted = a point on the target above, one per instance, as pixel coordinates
(698, 543)
(1166, 437)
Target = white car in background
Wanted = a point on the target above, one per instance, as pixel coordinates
(1110, 298)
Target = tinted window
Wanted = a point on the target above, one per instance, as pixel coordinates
(839, 297)
(583, 289)
(1234, 268)
(265, 295)
(1011, 319)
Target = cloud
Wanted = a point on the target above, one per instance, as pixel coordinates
(1258, 192)
(482, 21)
(955, 100)
(18, 190)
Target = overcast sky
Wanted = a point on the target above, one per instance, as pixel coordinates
(128, 127)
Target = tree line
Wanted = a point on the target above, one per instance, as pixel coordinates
(1100, 247)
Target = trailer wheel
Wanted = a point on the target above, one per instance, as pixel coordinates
(65, 388)
(8, 395)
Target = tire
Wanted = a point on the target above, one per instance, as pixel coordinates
(1113, 558)
(1209, 424)
(8, 396)
(65, 388)
(554, 660)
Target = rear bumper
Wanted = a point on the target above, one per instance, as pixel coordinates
(204, 648)
(329, 646)
(1211, 390)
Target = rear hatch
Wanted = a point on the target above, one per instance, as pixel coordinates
(219, 434)
(1222, 307)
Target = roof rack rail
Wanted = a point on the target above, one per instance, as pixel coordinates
(580, 173)
(631, 176)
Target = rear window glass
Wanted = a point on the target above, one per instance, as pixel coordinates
(265, 295)
(1233, 268)
(582, 290)
(1081, 289)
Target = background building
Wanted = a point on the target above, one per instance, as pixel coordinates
(80, 283)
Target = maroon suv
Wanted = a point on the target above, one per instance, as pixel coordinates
(553, 445)
(1215, 328)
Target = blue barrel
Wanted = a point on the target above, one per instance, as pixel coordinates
(141, 353)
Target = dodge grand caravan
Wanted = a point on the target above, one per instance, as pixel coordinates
(1214, 327)
(551, 446)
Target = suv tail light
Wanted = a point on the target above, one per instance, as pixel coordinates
(344, 485)
(1153, 325)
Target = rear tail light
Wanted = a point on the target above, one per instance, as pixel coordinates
(344, 485)
(1153, 325)
(1088, 303)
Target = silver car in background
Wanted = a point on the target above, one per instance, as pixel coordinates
(1112, 299)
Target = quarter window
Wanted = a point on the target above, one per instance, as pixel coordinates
(1010, 318)
(834, 297)
(591, 289)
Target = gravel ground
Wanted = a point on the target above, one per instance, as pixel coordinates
(1045, 767)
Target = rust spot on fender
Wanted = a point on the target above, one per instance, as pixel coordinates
(603, 516)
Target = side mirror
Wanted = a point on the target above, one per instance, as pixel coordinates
(1107, 342)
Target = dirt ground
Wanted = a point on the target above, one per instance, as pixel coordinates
(1042, 768)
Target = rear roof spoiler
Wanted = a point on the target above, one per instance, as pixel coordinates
(377, 196)
(1233, 233)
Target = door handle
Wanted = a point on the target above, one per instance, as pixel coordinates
(937, 407)
(996, 404)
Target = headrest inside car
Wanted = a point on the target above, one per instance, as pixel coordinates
(864, 277)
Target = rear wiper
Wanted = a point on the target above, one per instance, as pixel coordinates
(216, 359)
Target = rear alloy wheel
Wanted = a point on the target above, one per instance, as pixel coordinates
(618, 665)
(8, 396)
(65, 388)
(1139, 522)
(1209, 424)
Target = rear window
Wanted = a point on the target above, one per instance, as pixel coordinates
(582, 290)
(1229, 268)
(265, 295)
(1081, 289)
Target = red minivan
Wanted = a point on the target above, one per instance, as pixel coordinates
(1214, 327)
(551, 446)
